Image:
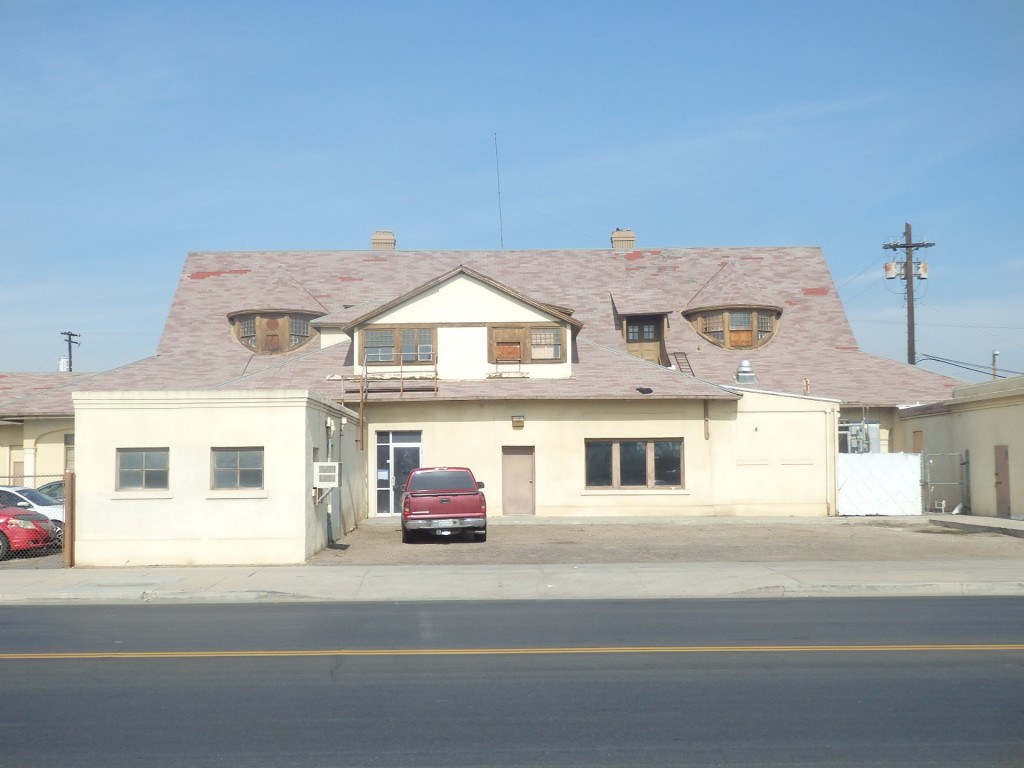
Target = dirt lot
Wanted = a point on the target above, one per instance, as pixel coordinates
(378, 542)
(544, 541)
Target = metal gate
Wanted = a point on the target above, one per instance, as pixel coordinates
(944, 477)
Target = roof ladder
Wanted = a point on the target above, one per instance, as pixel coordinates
(683, 363)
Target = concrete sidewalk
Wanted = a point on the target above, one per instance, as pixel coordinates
(966, 565)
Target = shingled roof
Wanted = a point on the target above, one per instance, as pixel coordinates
(813, 351)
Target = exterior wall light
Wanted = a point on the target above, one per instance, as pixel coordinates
(518, 422)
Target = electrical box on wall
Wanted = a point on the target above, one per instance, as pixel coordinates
(326, 474)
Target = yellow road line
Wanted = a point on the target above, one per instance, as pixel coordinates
(567, 651)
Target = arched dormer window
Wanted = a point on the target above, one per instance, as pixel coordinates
(736, 327)
(272, 332)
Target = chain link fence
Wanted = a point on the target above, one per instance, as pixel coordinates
(32, 520)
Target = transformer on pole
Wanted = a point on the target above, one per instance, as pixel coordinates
(907, 270)
(71, 340)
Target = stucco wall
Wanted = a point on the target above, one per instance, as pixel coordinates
(766, 455)
(10, 450)
(189, 523)
(39, 445)
(978, 418)
(461, 309)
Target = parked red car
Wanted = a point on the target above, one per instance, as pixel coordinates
(22, 529)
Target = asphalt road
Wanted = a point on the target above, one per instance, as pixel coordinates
(850, 682)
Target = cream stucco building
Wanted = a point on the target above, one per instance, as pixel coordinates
(625, 382)
(978, 433)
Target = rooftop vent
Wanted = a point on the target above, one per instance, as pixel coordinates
(623, 240)
(745, 373)
(383, 240)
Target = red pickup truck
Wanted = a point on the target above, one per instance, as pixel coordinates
(443, 501)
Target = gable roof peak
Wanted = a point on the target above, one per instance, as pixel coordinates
(462, 270)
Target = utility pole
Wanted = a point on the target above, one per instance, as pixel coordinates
(907, 271)
(71, 340)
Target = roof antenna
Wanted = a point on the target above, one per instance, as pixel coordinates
(497, 173)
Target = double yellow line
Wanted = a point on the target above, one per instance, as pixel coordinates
(554, 651)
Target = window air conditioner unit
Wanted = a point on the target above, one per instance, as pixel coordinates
(326, 474)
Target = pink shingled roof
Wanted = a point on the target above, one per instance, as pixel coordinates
(814, 351)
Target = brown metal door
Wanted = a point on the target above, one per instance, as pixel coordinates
(517, 480)
(1002, 481)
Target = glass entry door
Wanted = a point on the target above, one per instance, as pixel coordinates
(398, 453)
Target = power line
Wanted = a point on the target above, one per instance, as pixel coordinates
(1001, 373)
(978, 327)
(876, 321)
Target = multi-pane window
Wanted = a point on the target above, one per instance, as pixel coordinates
(247, 331)
(641, 330)
(417, 345)
(300, 331)
(414, 345)
(526, 344)
(545, 344)
(713, 326)
(736, 328)
(272, 332)
(379, 346)
(634, 463)
(237, 468)
(143, 469)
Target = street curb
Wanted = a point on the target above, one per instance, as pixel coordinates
(768, 591)
(970, 527)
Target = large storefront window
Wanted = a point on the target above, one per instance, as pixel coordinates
(634, 463)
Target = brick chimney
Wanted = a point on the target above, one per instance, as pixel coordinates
(383, 240)
(623, 240)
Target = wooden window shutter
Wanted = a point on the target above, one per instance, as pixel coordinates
(507, 344)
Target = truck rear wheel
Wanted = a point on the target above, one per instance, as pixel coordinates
(480, 534)
(407, 535)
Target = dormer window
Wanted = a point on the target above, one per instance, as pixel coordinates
(645, 337)
(270, 333)
(738, 327)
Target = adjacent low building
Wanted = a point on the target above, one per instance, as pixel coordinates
(972, 446)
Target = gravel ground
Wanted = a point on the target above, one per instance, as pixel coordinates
(378, 542)
(612, 540)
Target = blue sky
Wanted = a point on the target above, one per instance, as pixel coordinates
(134, 132)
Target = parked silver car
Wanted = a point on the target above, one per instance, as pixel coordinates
(54, 490)
(30, 498)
